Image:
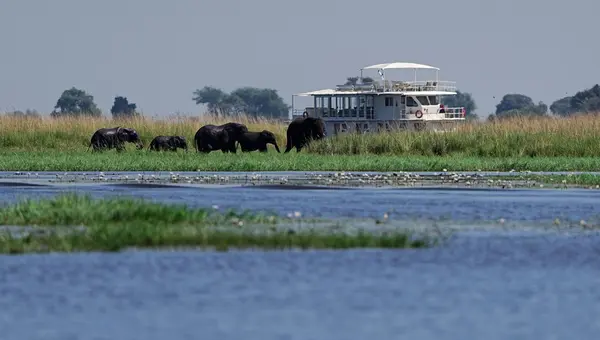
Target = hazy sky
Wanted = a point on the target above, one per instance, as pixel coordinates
(157, 53)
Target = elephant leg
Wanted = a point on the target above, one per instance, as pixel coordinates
(120, 147)
(231, 147)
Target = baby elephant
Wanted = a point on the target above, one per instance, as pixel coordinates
(252, 141)
(168, 143)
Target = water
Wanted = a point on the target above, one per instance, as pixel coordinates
(505, 284)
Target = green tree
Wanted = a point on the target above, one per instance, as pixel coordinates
(584, 101)
(587, 100)
(462, 99)
(250, 100)
(123, 109)
(261, 102)
(215, 99)
(562, 107)
(75, 102)
(514, 104)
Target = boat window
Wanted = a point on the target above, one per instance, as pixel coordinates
(410, 102)
(402, 100)
(433, 100)
(423, 100)
(389, 101)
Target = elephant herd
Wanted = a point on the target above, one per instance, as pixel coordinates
(215, 137)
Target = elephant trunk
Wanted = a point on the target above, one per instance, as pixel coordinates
(276, 147)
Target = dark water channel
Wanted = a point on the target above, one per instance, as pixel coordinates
(529, 280)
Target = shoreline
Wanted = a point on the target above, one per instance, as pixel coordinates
(308, 180)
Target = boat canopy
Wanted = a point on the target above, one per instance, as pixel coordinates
(400, 65)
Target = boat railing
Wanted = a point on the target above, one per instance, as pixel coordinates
(400, 86)
(454, 113)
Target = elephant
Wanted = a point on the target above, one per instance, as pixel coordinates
(302, 130)
(252, 141)
(108, 138)
(168, 143)
(218, 137)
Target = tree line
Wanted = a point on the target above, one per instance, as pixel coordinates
(266, 102)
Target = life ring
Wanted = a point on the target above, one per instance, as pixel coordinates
(305, 114)
(419, 114)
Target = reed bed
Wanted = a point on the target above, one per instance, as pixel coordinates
(577, 136)
(71, 222)
(74, 133)
(519, 137)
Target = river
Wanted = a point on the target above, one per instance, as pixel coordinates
(522, 278)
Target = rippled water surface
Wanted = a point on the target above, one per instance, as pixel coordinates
(505, 284)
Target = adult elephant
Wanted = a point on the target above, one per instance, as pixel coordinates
(109, 138)
(252, 141)
(218, 137)
(168, 143)
(302, 130)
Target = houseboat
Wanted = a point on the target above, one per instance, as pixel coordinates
(385, 105)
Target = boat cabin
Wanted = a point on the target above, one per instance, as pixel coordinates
(384, 104)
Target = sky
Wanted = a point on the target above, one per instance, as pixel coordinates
(156, 53)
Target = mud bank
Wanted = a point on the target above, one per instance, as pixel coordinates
(315, 180)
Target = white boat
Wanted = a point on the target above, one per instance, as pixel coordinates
(384, 105)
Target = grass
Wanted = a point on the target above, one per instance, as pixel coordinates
(537, 144)
(118, 223)
(73, 134)
(134, 160)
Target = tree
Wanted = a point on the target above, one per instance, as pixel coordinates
(250, 100)
(261, 102)
(584, 101)
(562, 107)
(122, 108)
(75, 102)
(461, 99)
(215, 100)
(519, 105)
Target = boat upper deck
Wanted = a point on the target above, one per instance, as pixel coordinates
(386, 86)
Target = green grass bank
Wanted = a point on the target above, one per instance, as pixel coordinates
(142, 160)
(118, 223)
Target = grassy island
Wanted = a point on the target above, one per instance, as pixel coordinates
(72, 222)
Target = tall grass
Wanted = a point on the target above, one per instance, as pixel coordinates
(74, 133)
(577, 136)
